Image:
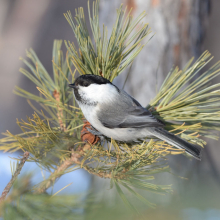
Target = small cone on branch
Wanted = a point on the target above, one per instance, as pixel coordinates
(87, 136)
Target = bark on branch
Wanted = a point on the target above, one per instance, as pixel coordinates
(74, 159)
(14, 177)
(56, 95)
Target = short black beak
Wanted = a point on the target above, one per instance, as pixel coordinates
(72, 85)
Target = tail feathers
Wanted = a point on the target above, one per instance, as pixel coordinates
(174, 140)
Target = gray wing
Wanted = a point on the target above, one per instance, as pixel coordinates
(126, 112)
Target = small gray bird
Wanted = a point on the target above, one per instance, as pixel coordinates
(115, 114)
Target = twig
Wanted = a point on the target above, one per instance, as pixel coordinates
(56, 95)
(74, 159)
(14, 177)
(106, 175)
(101, 74)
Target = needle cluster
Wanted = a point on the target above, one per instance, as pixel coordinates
(187, 102)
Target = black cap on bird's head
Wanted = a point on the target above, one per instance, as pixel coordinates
(86, 80)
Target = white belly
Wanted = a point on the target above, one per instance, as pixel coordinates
(120, 134)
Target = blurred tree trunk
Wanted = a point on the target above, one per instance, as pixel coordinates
(19, 22)
(179, 28)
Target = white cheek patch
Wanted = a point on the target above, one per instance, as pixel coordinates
(98, 93)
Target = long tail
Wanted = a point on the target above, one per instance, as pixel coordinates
(174, 140)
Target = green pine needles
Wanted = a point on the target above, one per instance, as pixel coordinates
(188, 98)
(187, 102)
(108, 57)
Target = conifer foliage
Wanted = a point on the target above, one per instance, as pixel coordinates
(187, 103)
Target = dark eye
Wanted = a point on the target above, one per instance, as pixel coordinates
(85, 84)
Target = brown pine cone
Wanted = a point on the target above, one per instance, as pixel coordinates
(87, 136)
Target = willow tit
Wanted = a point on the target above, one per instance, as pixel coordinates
(117, 115)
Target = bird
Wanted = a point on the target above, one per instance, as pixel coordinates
(115, 114)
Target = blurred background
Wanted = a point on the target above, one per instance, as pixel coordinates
(181, 29)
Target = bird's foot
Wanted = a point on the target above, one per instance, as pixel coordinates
(87, 136)
(90, 134)
(93, 131)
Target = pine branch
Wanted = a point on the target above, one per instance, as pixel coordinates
(21, 203)
(74, 159)
(106, 57)
(14, 176)
(189, 110)
(59, 111)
